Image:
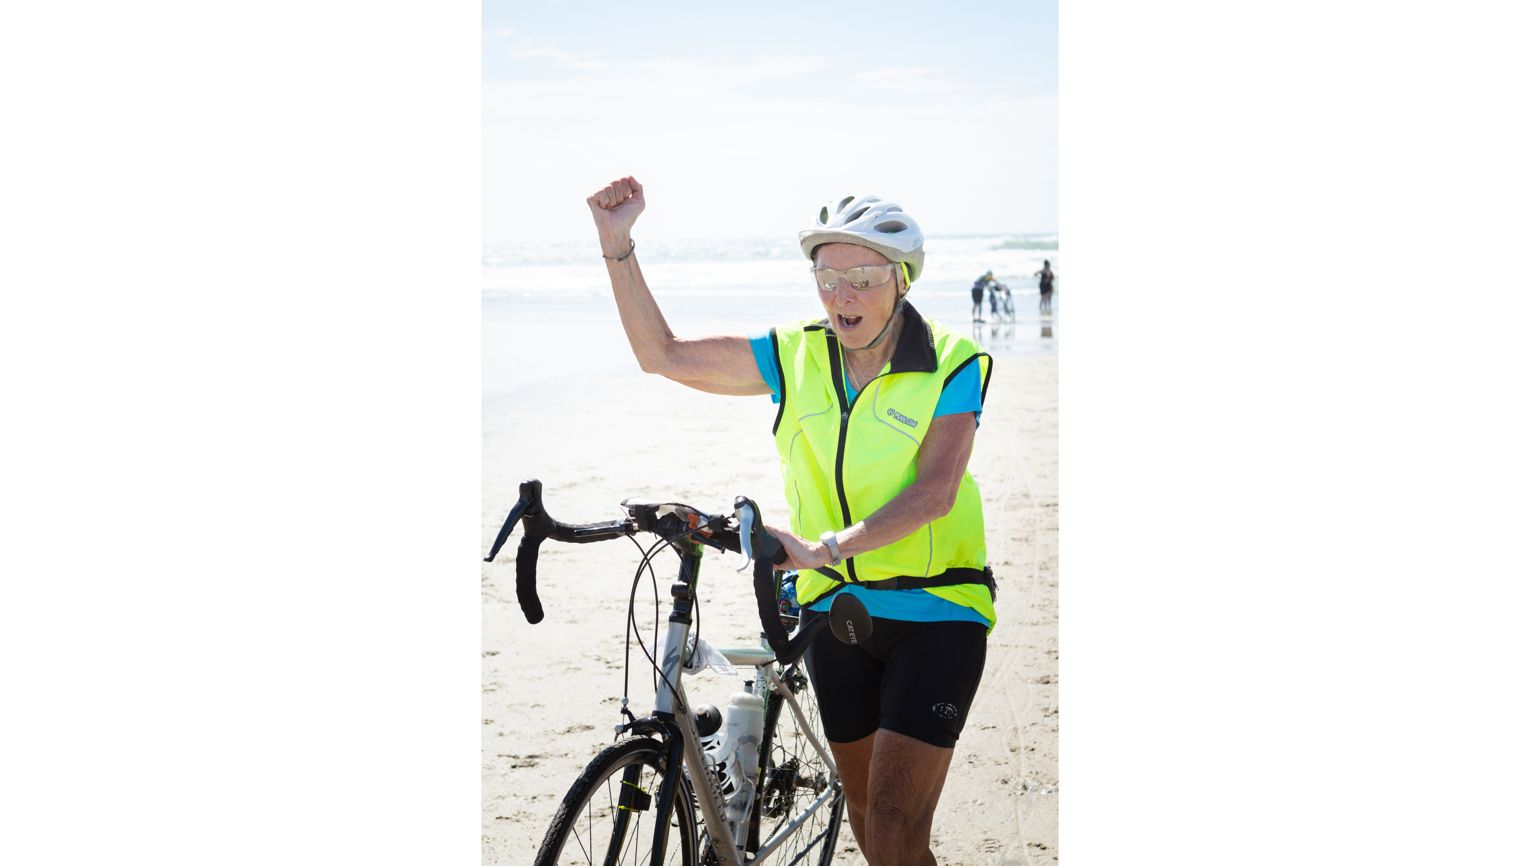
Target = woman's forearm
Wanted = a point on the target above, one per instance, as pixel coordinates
(942, 461)
(615, 208)
(719, 364)
(904, 515)
(917, 505)
(643, 321)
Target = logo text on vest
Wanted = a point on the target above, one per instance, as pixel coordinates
(894, 413)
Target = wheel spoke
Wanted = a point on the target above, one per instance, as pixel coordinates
(795, 776)
(579, 840)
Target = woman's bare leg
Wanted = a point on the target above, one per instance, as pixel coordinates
(892, 784)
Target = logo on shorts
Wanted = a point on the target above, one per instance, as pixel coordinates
(945, 711)
(903, 419)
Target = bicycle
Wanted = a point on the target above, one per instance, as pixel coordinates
(791, 812)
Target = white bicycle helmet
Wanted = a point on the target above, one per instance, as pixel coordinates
(870, 222)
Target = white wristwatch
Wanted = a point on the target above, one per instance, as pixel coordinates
(834, 549)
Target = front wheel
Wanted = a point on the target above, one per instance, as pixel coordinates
(609, 815)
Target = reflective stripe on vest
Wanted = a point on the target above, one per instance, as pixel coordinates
(842, 460)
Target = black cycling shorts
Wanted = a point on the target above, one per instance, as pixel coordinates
(914, 678)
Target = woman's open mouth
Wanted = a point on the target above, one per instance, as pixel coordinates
(847, 323)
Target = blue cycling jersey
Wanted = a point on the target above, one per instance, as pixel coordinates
(959, 396)
(911, 605)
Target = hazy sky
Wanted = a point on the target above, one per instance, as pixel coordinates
(741, 119)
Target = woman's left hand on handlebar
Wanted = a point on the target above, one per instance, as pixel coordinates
(800, 553)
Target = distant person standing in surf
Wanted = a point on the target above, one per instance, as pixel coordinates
(978, 294)
(1045, 288)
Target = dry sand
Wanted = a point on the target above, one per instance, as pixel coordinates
(551, 692)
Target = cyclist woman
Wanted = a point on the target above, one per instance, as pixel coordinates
(878, 409)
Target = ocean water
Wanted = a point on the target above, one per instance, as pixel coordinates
(548, 319)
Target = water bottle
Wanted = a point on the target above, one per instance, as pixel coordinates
(721, 760)
(734, 752)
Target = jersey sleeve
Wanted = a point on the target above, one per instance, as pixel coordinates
(962, 394)
(764, 358)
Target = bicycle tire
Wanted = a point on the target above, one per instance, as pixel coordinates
(595, 796)
(791, 776)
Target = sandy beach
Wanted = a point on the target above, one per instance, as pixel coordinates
(551, 692)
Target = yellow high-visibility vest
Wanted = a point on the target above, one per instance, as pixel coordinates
(842, 460)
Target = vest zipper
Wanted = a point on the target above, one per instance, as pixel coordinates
(837, 367)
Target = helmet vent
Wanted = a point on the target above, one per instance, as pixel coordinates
(823, 216)
(890, 227)
(845, 202)
(857, 215)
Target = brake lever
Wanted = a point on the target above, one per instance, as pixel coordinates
(529, 501)
(745, 533)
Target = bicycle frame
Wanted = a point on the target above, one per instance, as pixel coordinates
(672, 717)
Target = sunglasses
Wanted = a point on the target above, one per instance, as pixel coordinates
(860, 279)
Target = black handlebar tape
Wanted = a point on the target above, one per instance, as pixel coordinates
(767, 601)
(583, 533)
(524, 581)
(536, 528)
(767, 552)
(799, 644)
